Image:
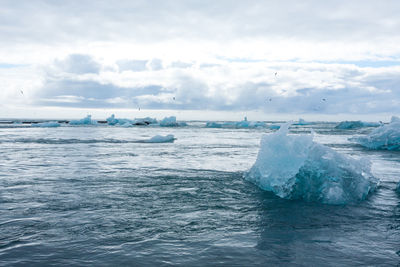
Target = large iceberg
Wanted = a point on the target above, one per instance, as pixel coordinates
(386, 137)
(296, 167)
(356, 125)
(85, 121)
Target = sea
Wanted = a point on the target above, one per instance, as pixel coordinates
(97, 195)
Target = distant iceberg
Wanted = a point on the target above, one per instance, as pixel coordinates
(143, 121)
(296, 167)
(356, 125)
(161, 139)
(302, 122)
(85, 121)
(128, 123)
(386, 137)
(47, 124)
(171, 122)
(238, 125)
(212, 124)
(274, 127)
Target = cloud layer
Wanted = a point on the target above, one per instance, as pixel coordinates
(330, 57)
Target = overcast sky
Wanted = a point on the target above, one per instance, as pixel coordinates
(270, 58)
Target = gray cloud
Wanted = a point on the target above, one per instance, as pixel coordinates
(348, 90)
(48, 21)
(78, 64)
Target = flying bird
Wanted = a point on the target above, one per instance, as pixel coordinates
(276, 74)
(323, 99)
(173, 98)
(22, 92)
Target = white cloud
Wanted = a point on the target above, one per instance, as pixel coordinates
(217, 55)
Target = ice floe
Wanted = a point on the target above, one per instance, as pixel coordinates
(296, 167)
(385, 137)
(356, 124)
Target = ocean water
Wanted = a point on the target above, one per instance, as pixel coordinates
(93, 195)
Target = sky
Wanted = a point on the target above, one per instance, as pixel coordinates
(200, 59)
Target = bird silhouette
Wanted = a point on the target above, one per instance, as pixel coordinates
(276, 74)
(22, 92)
(323, 99)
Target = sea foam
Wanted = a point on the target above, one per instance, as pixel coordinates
(296, 167)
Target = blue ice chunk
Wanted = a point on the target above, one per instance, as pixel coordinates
(211, 124)
(302, 122)
(385, 137)
(85, 121)
(47, 124)
(356, 124)
(171, 122)
(161, 139)
(274, 127)
(296, 167)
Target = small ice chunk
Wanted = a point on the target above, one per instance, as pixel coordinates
(85, 121)
(356, 124)
(296, 167)
(274, 127)
(211, 124)
(47, 124)
(161, 139)
(171, 122)
(303, 122)
(112, 120)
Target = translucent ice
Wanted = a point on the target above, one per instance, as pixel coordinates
(211, 124)
(161, 139)
(356, 124)
(302, 122)
(47, 124)
(238, 125)
(171, 122)
(85, 121)
(386, 137)
(296, 167)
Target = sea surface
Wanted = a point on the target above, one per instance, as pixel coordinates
(94, 195)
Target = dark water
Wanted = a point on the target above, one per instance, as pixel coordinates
(70, 196)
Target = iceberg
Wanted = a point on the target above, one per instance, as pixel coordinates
(171, 122)
(302, 122)
(238, 125)
(145, 121)
(356, 125)
(274, 127)
(47, 124)
(296, 167)
(211, 124)
(85, 121)
(161, 139)
(385, 137)
(112, 120)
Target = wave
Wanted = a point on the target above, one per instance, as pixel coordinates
(155, 139)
